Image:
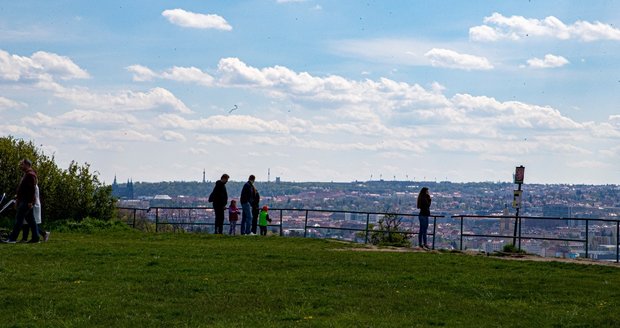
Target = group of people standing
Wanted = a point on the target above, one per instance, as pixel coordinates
(251, 213)
(28, 207)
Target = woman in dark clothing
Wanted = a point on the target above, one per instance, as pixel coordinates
(424, 204)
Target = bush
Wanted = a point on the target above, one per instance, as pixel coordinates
(510, 248)
(390, 233)
(73, 194)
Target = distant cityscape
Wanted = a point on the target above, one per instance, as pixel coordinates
(567, 203)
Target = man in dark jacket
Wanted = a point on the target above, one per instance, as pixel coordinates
(248, 194)
(24, 201)
(219, 196)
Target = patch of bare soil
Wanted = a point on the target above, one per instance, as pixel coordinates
(500, 256)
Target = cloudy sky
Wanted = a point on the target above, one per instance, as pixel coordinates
(317, 90)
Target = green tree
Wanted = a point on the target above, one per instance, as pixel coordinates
(71, 194)
(389, 232)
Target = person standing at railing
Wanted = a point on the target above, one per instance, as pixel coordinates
(248, 194)
(233, 216)
(424, 204)
(219, 198)
(264, 220)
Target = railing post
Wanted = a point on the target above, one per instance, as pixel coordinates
(156, 219)
(434, 230)
(134, 218)
(461, 247)
(281, 230)
(306, 225)
(367, 227)
(617, 241)
(519, 233)
(587, 237)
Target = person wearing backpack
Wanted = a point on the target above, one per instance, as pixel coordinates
(219, 198)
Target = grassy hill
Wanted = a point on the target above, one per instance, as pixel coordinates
(134, 279)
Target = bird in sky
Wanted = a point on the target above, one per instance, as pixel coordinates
(233, 109)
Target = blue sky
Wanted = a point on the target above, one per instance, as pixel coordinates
(317, 90)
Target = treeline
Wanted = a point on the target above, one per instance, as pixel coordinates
(74, 193)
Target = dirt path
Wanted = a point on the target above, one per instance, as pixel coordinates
(524, 257)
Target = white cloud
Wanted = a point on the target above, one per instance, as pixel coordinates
(550, 61)
(18, 130)
(452, 59)
(124, 100)
(82, 118)
(173, 136)
(58, 65)
(179, 74)
(481, 109)
(189, 19)
(125, 135)
(188, 74)
(210, 139)
(6, 103)
(499, 27)
(281, 82)
(224, 123)
(40, 66)
(141, 73)
(609, 129)
(198, 151)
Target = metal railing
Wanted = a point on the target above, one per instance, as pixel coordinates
(162, 216)
(518, 234)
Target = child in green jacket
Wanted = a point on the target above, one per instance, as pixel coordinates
(263, 218)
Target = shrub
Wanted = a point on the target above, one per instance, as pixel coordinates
(74, 193)
(390, 233)
(510, 248)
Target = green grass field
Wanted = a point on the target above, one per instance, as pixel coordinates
(135, 279)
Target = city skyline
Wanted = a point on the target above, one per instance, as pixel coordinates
(309, 90)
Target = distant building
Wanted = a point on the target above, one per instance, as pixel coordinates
(123, 191)
(559, 211)
(505, 224)
(277, 179)
(161, 200)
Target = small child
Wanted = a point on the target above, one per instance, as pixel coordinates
(233, 216)
(263, 218)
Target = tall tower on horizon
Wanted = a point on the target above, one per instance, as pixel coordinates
(268, 174)
(204, 175)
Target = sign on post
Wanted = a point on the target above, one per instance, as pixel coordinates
(516, 201)
(519, 174)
